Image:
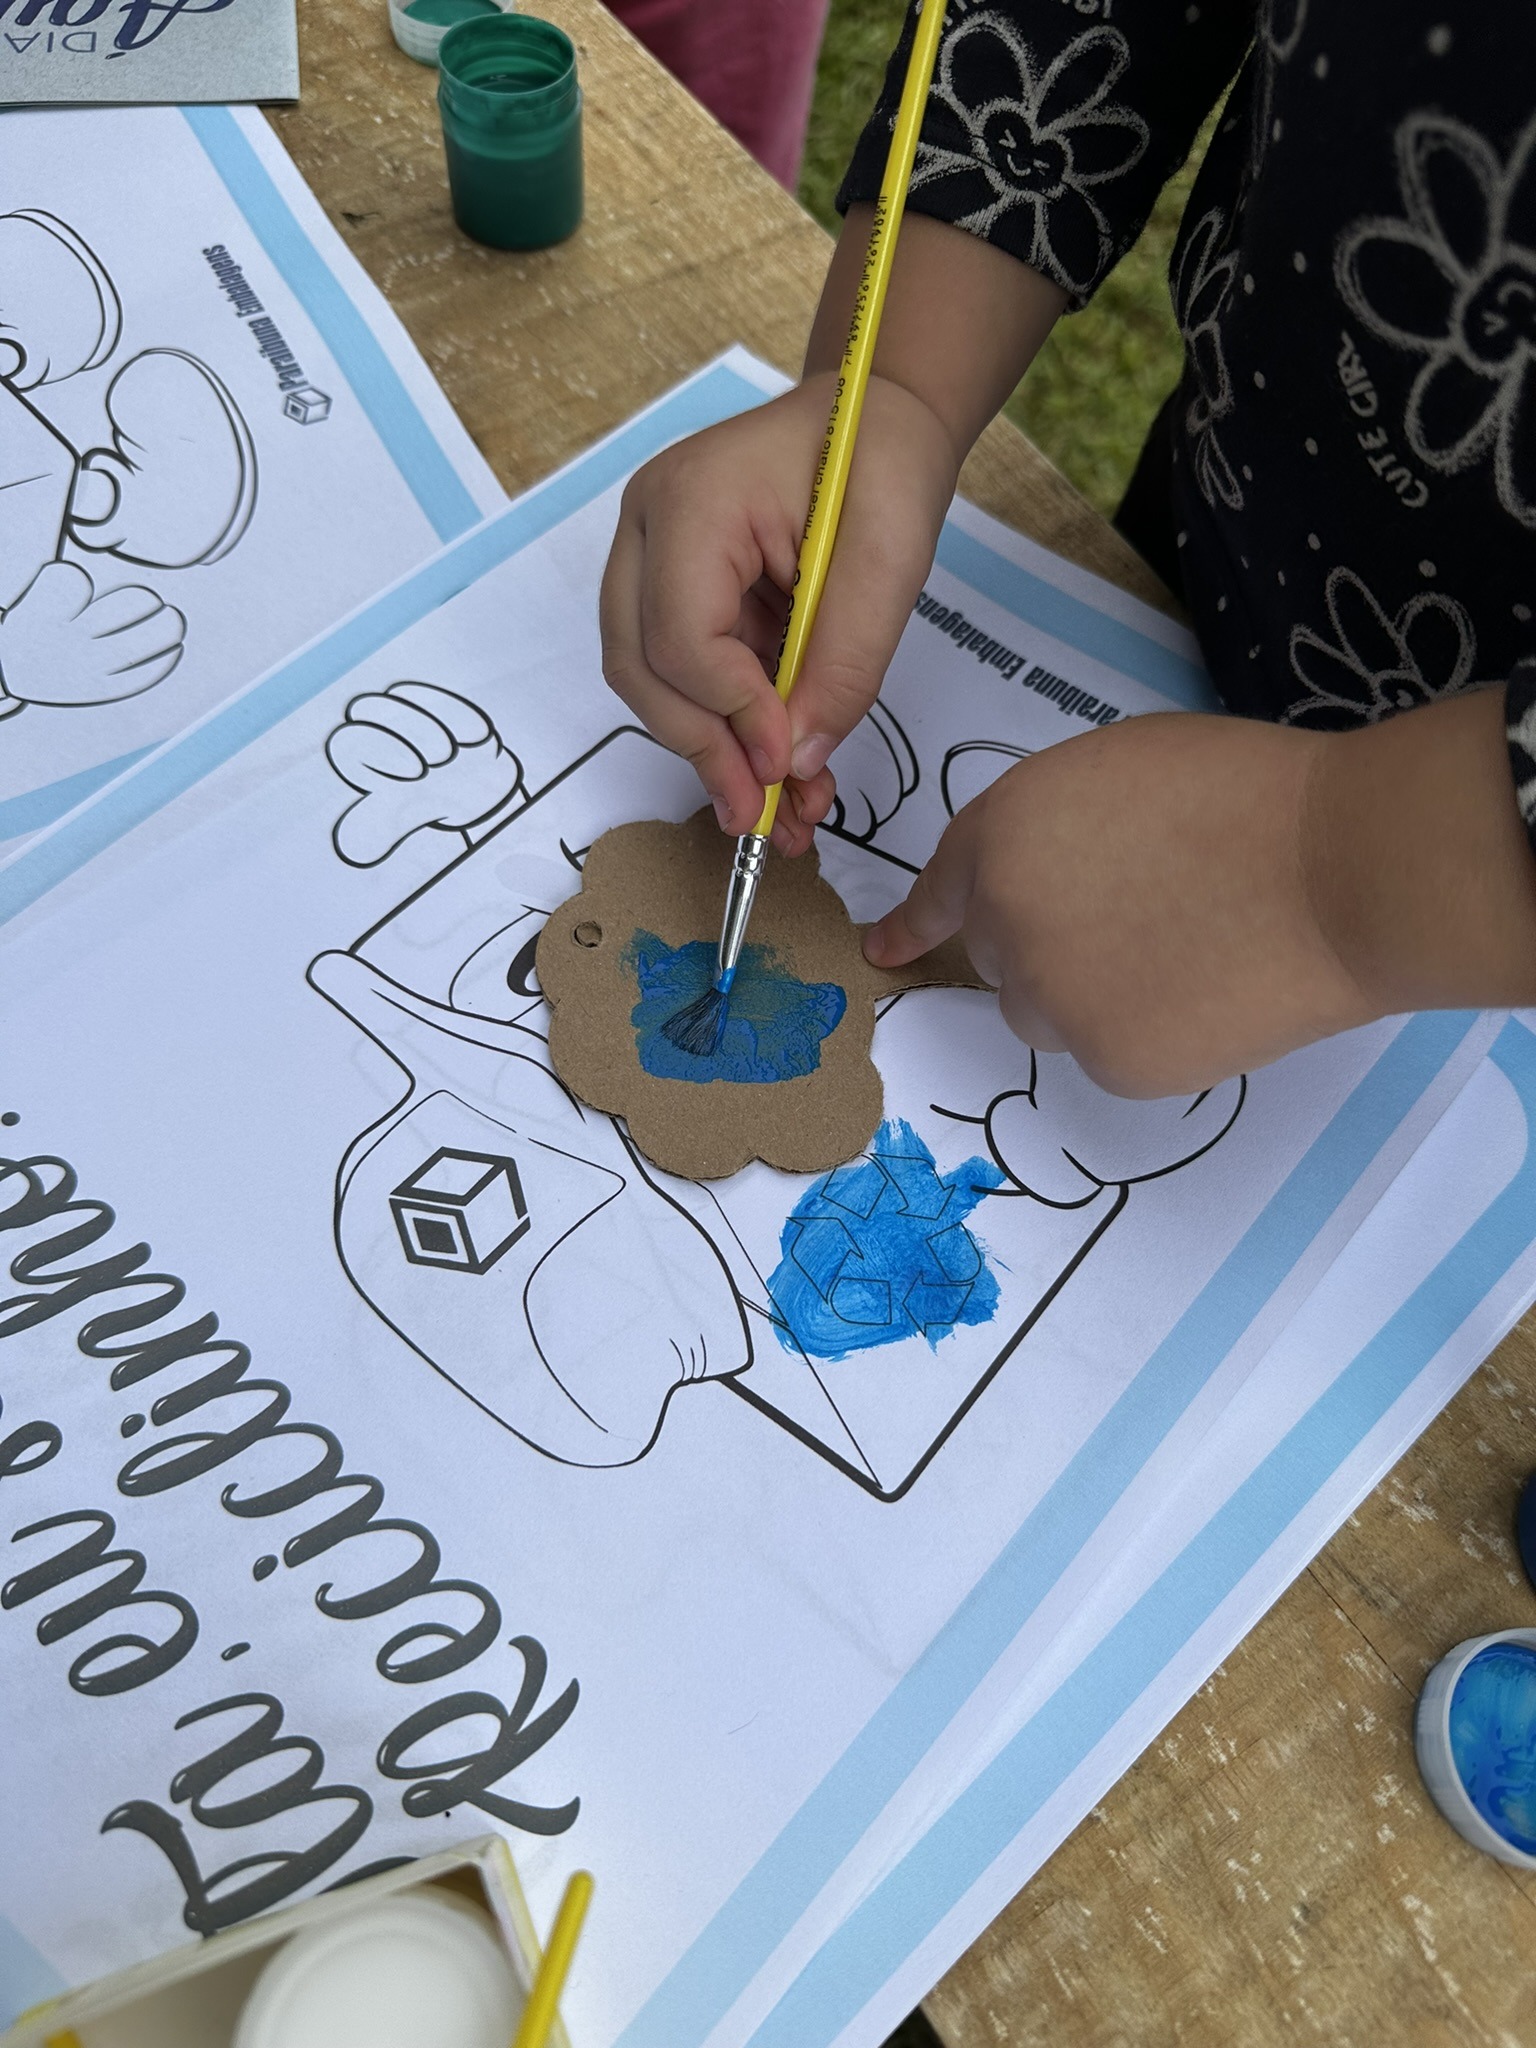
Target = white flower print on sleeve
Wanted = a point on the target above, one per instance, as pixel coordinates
(1035, 141)
(1455, 282)
(1520, 736)
(1202, 283)
(1375, 665)
(1279, 31)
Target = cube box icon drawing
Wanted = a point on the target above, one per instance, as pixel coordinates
(460, 1209)
(307, 405)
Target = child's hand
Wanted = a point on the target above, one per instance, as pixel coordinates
(1177, 899)
(697, 584)
(696, 587)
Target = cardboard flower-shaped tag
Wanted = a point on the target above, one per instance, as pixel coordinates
(791, 1081)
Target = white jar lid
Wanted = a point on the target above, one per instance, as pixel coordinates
(419, 36)
(1436, 1754)
(421, 1970)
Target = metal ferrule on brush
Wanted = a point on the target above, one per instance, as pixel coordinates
(746, 873)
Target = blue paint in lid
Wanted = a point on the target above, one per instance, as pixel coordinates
(1493, 1739)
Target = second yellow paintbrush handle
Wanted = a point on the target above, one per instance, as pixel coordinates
(544, 1999)
(836, 461)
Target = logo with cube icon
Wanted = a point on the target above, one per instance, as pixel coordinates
(460, 1209)
(307, 405)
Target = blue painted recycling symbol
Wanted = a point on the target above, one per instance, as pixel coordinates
(879, 1250)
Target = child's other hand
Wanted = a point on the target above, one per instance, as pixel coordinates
(695, 592)
(1178, 899)
(1140, 899)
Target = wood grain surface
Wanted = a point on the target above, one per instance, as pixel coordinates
(686, 248)
(1271, 1870)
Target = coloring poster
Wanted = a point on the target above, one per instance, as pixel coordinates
(137, 50)
(388, 1451)
(215, 438)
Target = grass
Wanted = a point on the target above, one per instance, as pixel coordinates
(1092, 391)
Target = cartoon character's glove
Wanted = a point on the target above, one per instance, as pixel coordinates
(876, 770)
(419, 756)
(62, 644)
(1063, 1138)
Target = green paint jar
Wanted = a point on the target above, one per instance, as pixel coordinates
(511, 111)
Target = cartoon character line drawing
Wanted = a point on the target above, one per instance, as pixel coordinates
(517, 1241)
(173, 485)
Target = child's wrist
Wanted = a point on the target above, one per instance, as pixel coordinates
(1341, 911)
(895, 410)
(1417, 863)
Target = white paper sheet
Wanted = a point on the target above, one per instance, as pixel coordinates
(287, 996)
(215, 437)
(130, 51)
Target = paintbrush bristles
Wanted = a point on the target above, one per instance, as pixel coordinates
(698, 1027)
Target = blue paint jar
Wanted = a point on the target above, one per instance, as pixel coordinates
(1474, 1733)
(511, 113)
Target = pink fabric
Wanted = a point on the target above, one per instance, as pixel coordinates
(752, 63)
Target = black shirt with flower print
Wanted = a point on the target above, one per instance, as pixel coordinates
(1343, 485)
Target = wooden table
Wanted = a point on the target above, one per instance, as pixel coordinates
(1270, 1871)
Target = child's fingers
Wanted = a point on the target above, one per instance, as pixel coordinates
(791, 833)
(815, 798)
(802, 807)
(694, 579)
(703, 737)
(937, 905)
(871, 589)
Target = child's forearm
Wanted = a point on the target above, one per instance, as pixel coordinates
(1419, 865)
(962, 323)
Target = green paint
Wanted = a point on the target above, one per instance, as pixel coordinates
(511, 111)
(444, 13)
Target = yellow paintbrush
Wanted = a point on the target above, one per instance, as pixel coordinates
(544, 1999)
(697, 1028)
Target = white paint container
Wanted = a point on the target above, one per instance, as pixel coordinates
(417, 1971)
(213, 1993)
(1446, 1773)
(419, 38)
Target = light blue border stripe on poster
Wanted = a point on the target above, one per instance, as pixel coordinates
(937, 1873)
(438, 488)
(742, 1935)
(715, 395)
(35, 808)
(1076, 622)
(26, 1978)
